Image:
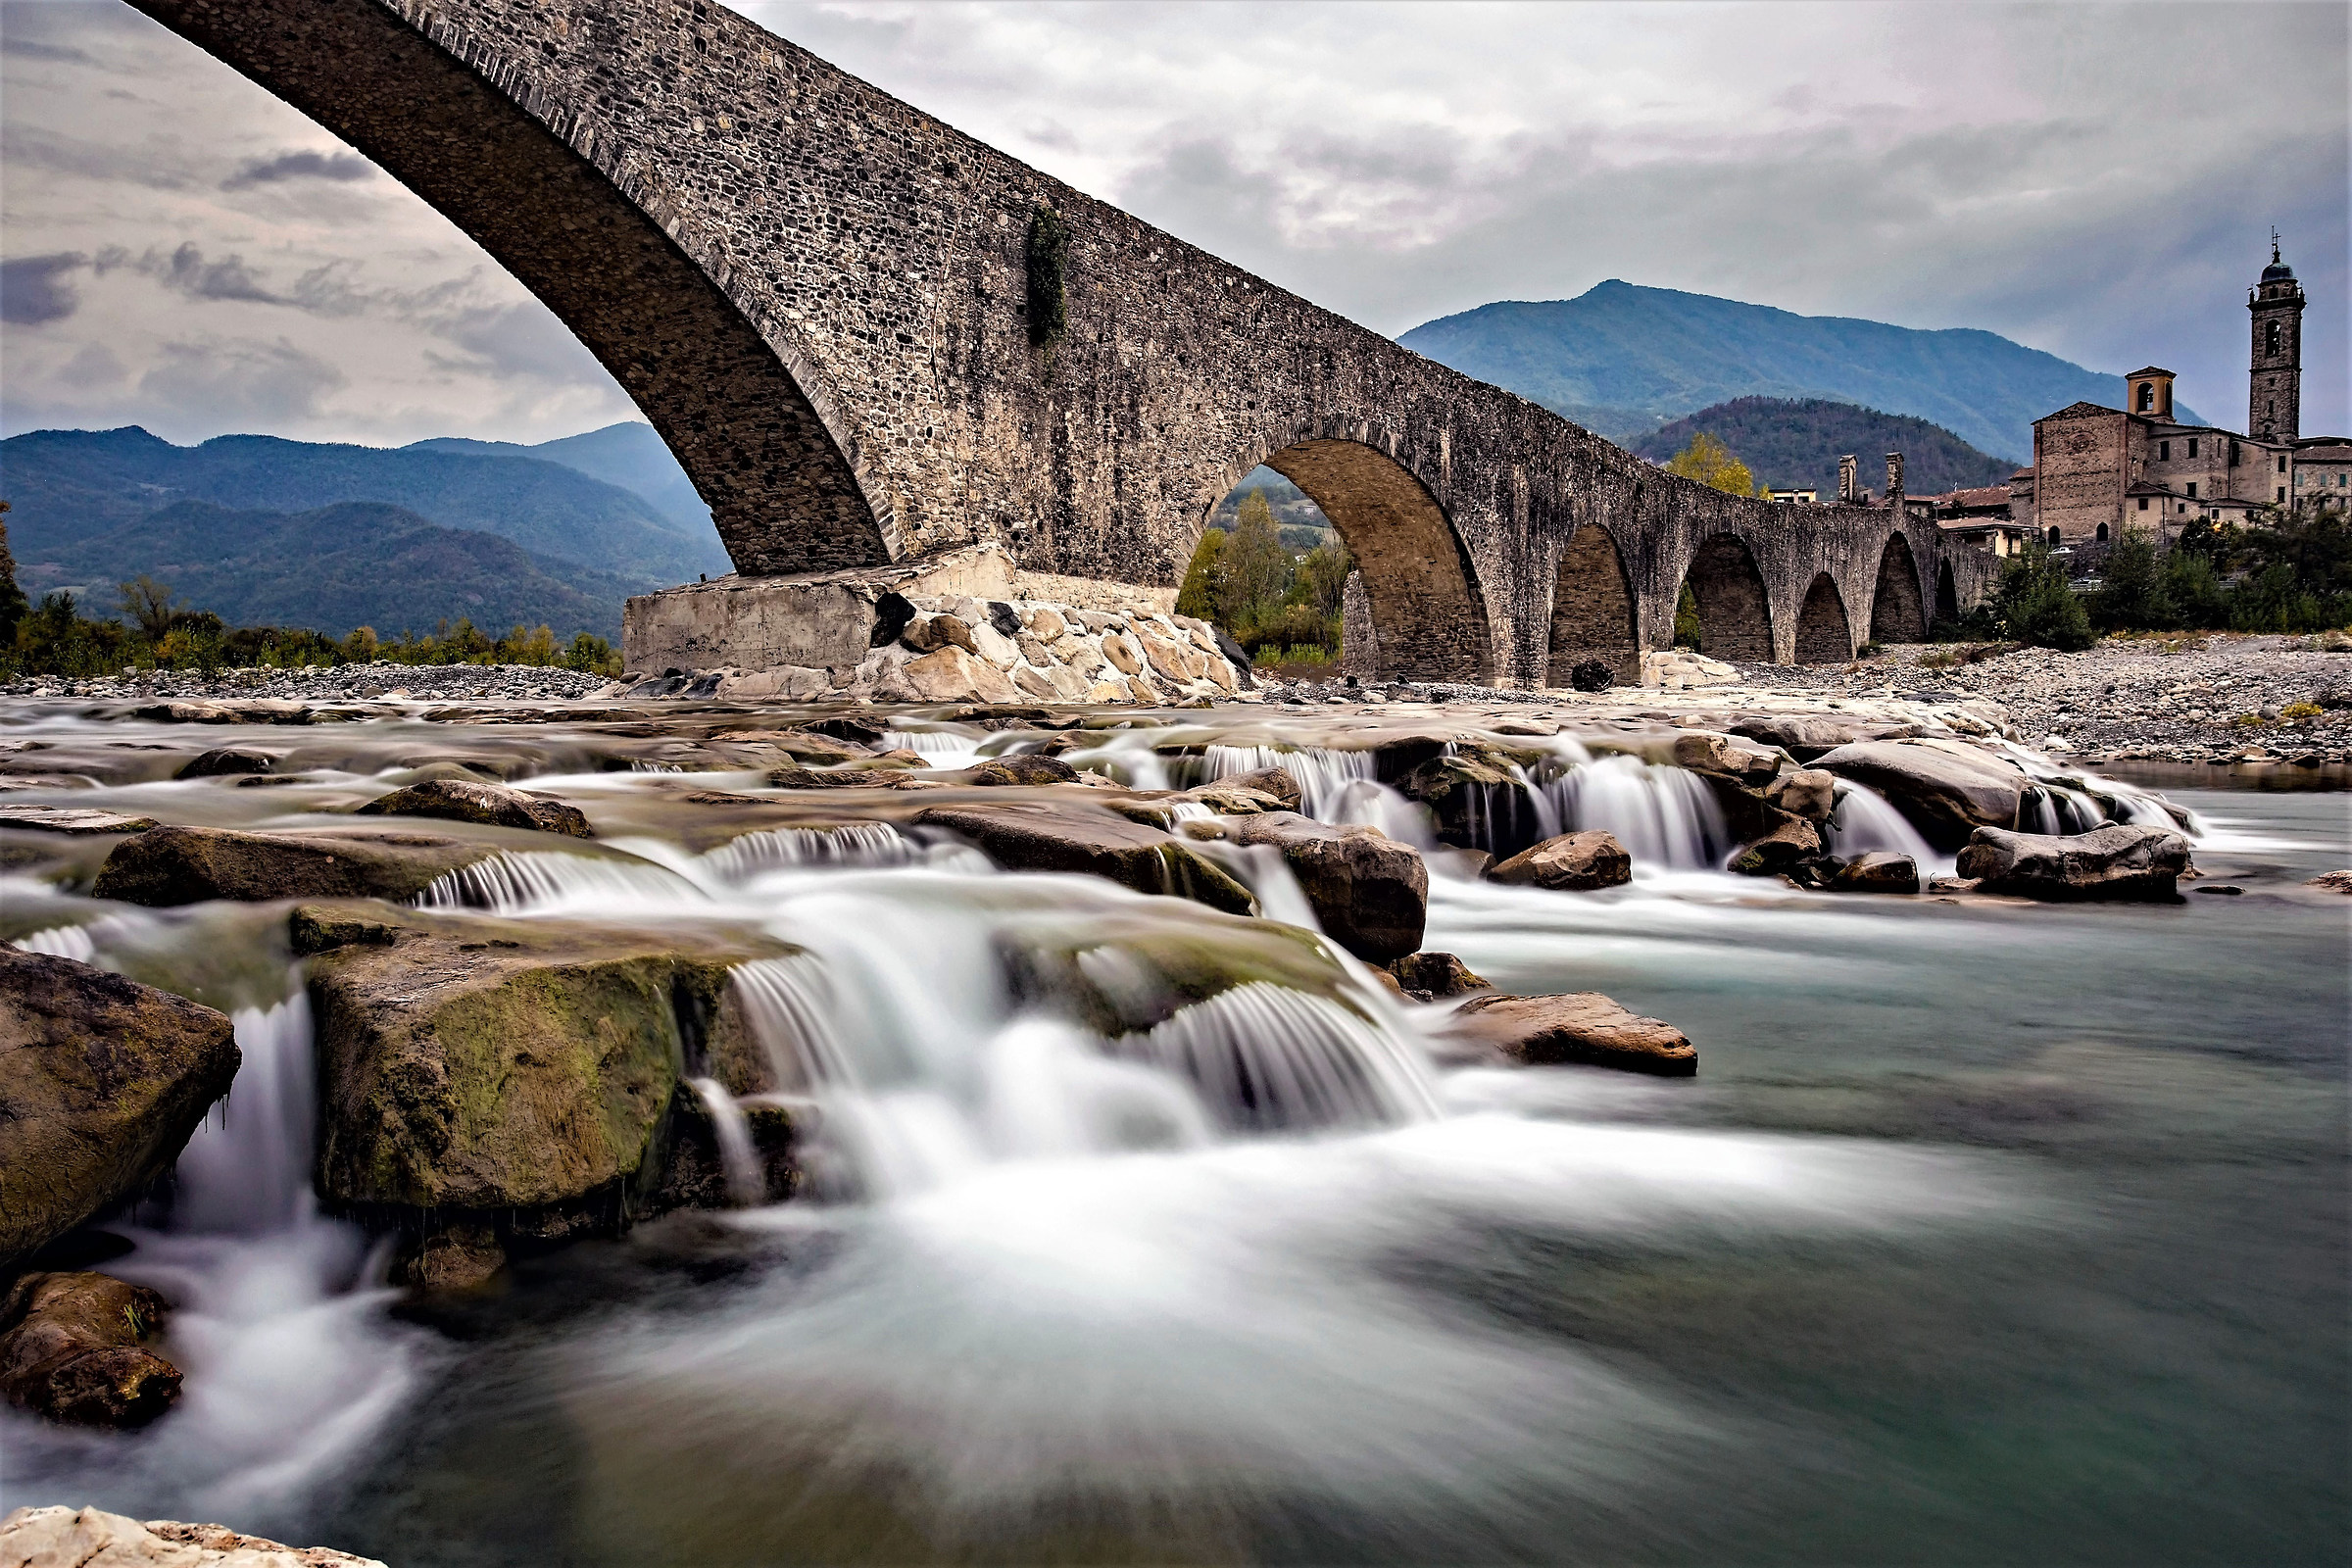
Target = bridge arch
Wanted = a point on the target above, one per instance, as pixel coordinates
(1897, 614)
(1428, 614)
(586, 228)
(1823, 636)
(1948, 594)
(1735, 613)
(1592, 610)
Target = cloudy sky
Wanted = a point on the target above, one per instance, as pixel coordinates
(186, 253)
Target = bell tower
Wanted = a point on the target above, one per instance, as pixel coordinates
(2275, 401)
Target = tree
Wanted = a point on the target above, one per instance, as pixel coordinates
(1322, 577)
(2132, 593)
(1711, 462)
(1258, 568)
(2039, 605)
(1202, 579)
(150, 606)
(2194, 590)
(13, 604)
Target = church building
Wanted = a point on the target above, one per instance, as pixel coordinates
(2098, 471)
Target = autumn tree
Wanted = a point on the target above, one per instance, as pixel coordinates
(1256, 567)
(1709, 461)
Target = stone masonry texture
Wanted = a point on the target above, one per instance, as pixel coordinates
(818, 296)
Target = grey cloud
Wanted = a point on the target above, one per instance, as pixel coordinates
(35, 289)
(520, 339)
(186, 272)
(242, 380)
(335, 166)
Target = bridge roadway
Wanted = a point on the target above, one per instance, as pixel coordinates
(823, 298)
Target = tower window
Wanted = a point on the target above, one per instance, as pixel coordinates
(2271, 338)
(2192, 446)
(2147, 395)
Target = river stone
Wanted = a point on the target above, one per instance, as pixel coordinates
(954, 675)
(76, 819)
(1023, 767)
(1275, 781)
(60, 1537)
(1805, 791)
(102, 1081)
(1051, 836)
(1580, 1027)
(2117, 861)
(1806, 738)
(874, 773)
(1435, 976)
(1878, 871)
(175, 865)
(2331, 882)
(490, 805)
(71, 1348)
(223, 761)
(1705, 751)
(511, 1075)
(1571, 863)
(1369, 891)
(1947, 789)
(1774, 852)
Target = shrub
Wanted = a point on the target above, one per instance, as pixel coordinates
(2039, 607)
(2132, 595)
(1592, 675)
(1049, 255)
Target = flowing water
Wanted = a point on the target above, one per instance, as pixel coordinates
(1987, 1233)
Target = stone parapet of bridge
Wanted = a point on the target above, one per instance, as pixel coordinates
(820, 296)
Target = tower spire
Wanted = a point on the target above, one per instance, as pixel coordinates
(2273, 244)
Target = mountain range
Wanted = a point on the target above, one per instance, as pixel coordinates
(1623, 360)
(1792, 444)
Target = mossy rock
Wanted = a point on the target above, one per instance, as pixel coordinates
(1122, 974)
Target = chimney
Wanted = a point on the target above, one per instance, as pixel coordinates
(1848, 492)
(1894, 480)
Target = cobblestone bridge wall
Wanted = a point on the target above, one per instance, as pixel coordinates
(818, 296)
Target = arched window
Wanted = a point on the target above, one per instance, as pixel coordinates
(2271, 338)
(2053, 537)
(2147, 395)
(2102, 533)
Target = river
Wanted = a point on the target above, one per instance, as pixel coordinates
(1987, 1231)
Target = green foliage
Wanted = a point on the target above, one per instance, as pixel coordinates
(1686, 619)
(2036, 605)
(2294, 572)
(1274, 603)
(13, 605)
(2132, 593)
(1709, 461)
(1048, 256)
(1795, 443)
(2194, 589)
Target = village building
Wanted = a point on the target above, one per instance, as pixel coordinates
(2099, 470)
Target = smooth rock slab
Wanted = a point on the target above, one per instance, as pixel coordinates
(1947, 789)
(2116, 862)
(102, 1081)
(72, 819)
(1369, 891)
(1579, 1027)
(489, 804)
(1047, 836)
(166, 866)
(90, 1537)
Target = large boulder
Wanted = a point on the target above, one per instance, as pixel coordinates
(1050, 836)
(1805, 791)
(1023, 767)
(173, 865)
(1580, 1027)
(2116, 862)
(1275, 781)
(1947, 789)
(1807, 738)
(223, 761)
(71, 1349)
(487, 1081)
(1573, 862)
(1369, 891)
(102, 1081)
(1770, 853)
(59, 1537)
(490, 805)
(1436, 977)
(1705, 751)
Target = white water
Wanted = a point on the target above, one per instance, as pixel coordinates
(737, 1158)
(1664, 817)
(1864, 823)
(277, 1317)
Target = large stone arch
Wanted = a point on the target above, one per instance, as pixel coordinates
(1735, 613)
(1823, 636)
(729, 391)
(1592, 610)
(1948, 594)
(1897, 614)
(1428, 616)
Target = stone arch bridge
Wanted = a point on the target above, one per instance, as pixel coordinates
(821, 298)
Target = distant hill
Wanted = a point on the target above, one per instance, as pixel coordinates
(354, 563)
(1623, 360)
(1791, 444)
(628, 455)
(71, 485)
